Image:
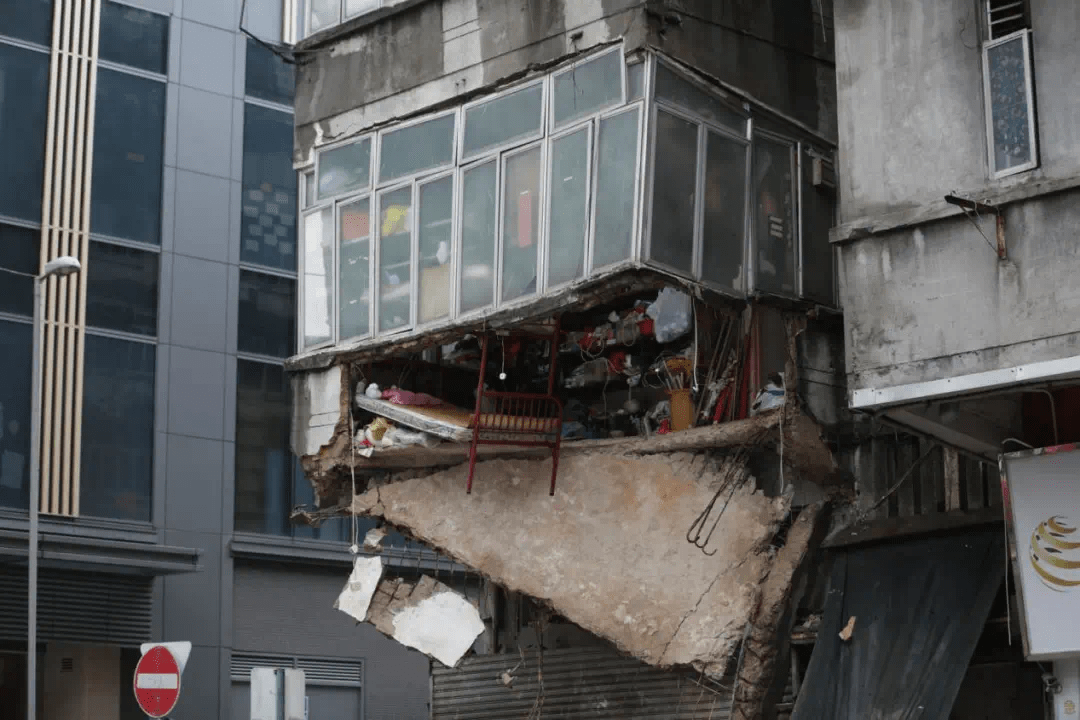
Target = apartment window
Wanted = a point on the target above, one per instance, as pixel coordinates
(24, 96)
(268, 222)
(323, 14)
(29, 20)
(123, 266)
(117, 428)
(133, 37)
(1009, 89)
(129, 147)
(674, 192)
(774, 201)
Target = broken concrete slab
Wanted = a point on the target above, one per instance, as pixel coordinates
(355, 598)
(609, 551)
(427, 616)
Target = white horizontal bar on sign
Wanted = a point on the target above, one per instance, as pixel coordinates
(157, 681)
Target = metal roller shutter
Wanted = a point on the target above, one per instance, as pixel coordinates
(79, 606)
(592, 683)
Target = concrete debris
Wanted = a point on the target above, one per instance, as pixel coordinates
(355, 598)
(427, 616)
(848, 630)
(373, 539)
(609, 551)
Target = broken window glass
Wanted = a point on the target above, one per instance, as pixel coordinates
(436, 242)
(478, 224)
(724, 230)
(354, 279)
(117, 457)
(318, 276)
(676, 90)
(588, 87)
(502, 120)
(412, 149)
(521, 221)
(1010, 111)
(674, 192)
(395, 259)
(344, 169)
(616, 178)
(568, 210)
(774, 215)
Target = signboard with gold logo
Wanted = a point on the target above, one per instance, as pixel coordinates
(1042, 493)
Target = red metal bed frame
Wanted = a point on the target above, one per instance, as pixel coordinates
(518, 419)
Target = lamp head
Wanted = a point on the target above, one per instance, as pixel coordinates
(64, 265)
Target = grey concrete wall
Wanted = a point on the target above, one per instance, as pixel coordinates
(934, 301)
(910, 97)
(436, 51)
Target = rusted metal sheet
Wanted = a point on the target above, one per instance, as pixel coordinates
(593, 683)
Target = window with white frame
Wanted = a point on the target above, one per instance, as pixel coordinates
(1008, 88)
(486, 205)
(322, 14)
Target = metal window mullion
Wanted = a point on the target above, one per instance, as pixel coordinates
(414, 255)
(1030, 92)
(649, 135)
(301, 271)
(456, 218)
(800, 238)
(544, 208)
(592, 188)
(750, 223)
(500, 201)
(698, 251)
(375, 251)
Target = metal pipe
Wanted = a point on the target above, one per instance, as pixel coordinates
(35, 482)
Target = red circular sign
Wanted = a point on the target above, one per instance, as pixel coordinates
(157, 682)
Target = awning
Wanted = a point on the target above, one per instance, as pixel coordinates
(919, 608)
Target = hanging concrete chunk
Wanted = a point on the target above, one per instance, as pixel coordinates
(608, 552)
(355, 598)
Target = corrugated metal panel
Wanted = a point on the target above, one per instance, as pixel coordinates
(592, 683)
(76, 606)
(317, 671)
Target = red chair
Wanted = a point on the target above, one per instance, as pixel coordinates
(515, 418)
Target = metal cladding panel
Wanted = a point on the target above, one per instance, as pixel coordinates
(581, 683)
(76, 606)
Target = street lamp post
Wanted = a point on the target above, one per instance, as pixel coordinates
(65, 265)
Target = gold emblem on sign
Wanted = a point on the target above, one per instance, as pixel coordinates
(1055, 554)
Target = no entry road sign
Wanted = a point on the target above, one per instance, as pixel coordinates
(157, 682)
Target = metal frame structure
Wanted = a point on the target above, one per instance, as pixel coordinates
(1024, 36)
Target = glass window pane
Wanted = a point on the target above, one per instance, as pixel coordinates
(358, 7)
(479, 206)
(268, 222)
(29, 20)
(18, 252)
(267, 76)
(307, 184)
(15, 360)
(588, 87)
(818, 213)
(635, 81)
(774, 219)
(318, 284)
(134, 37)
(568, 217)
(129, 137)
(615, 187)
(674, 190)
(323, 14)
(24, 95)
(418, 147)
(117, 429)
(345, 169)
(679, 91)
(436, 231)
(724, 230)
(395, 259)
(264, 464)
(1010, 114)
(521, 220)
(267, 316)
(122, 289)
(500, 121)
(354, 283)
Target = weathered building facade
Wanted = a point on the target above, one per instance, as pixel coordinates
(958, 171)
(627, 203)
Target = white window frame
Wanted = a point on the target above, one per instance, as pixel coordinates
(317, 168)
(550, 122)
(375, 215)
(459, 248)
(369, 195)
(590, 128)
(541, 224)
(451, 309)
(1025, 37)
(594, 178)
(545, 97)
(377, 179)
